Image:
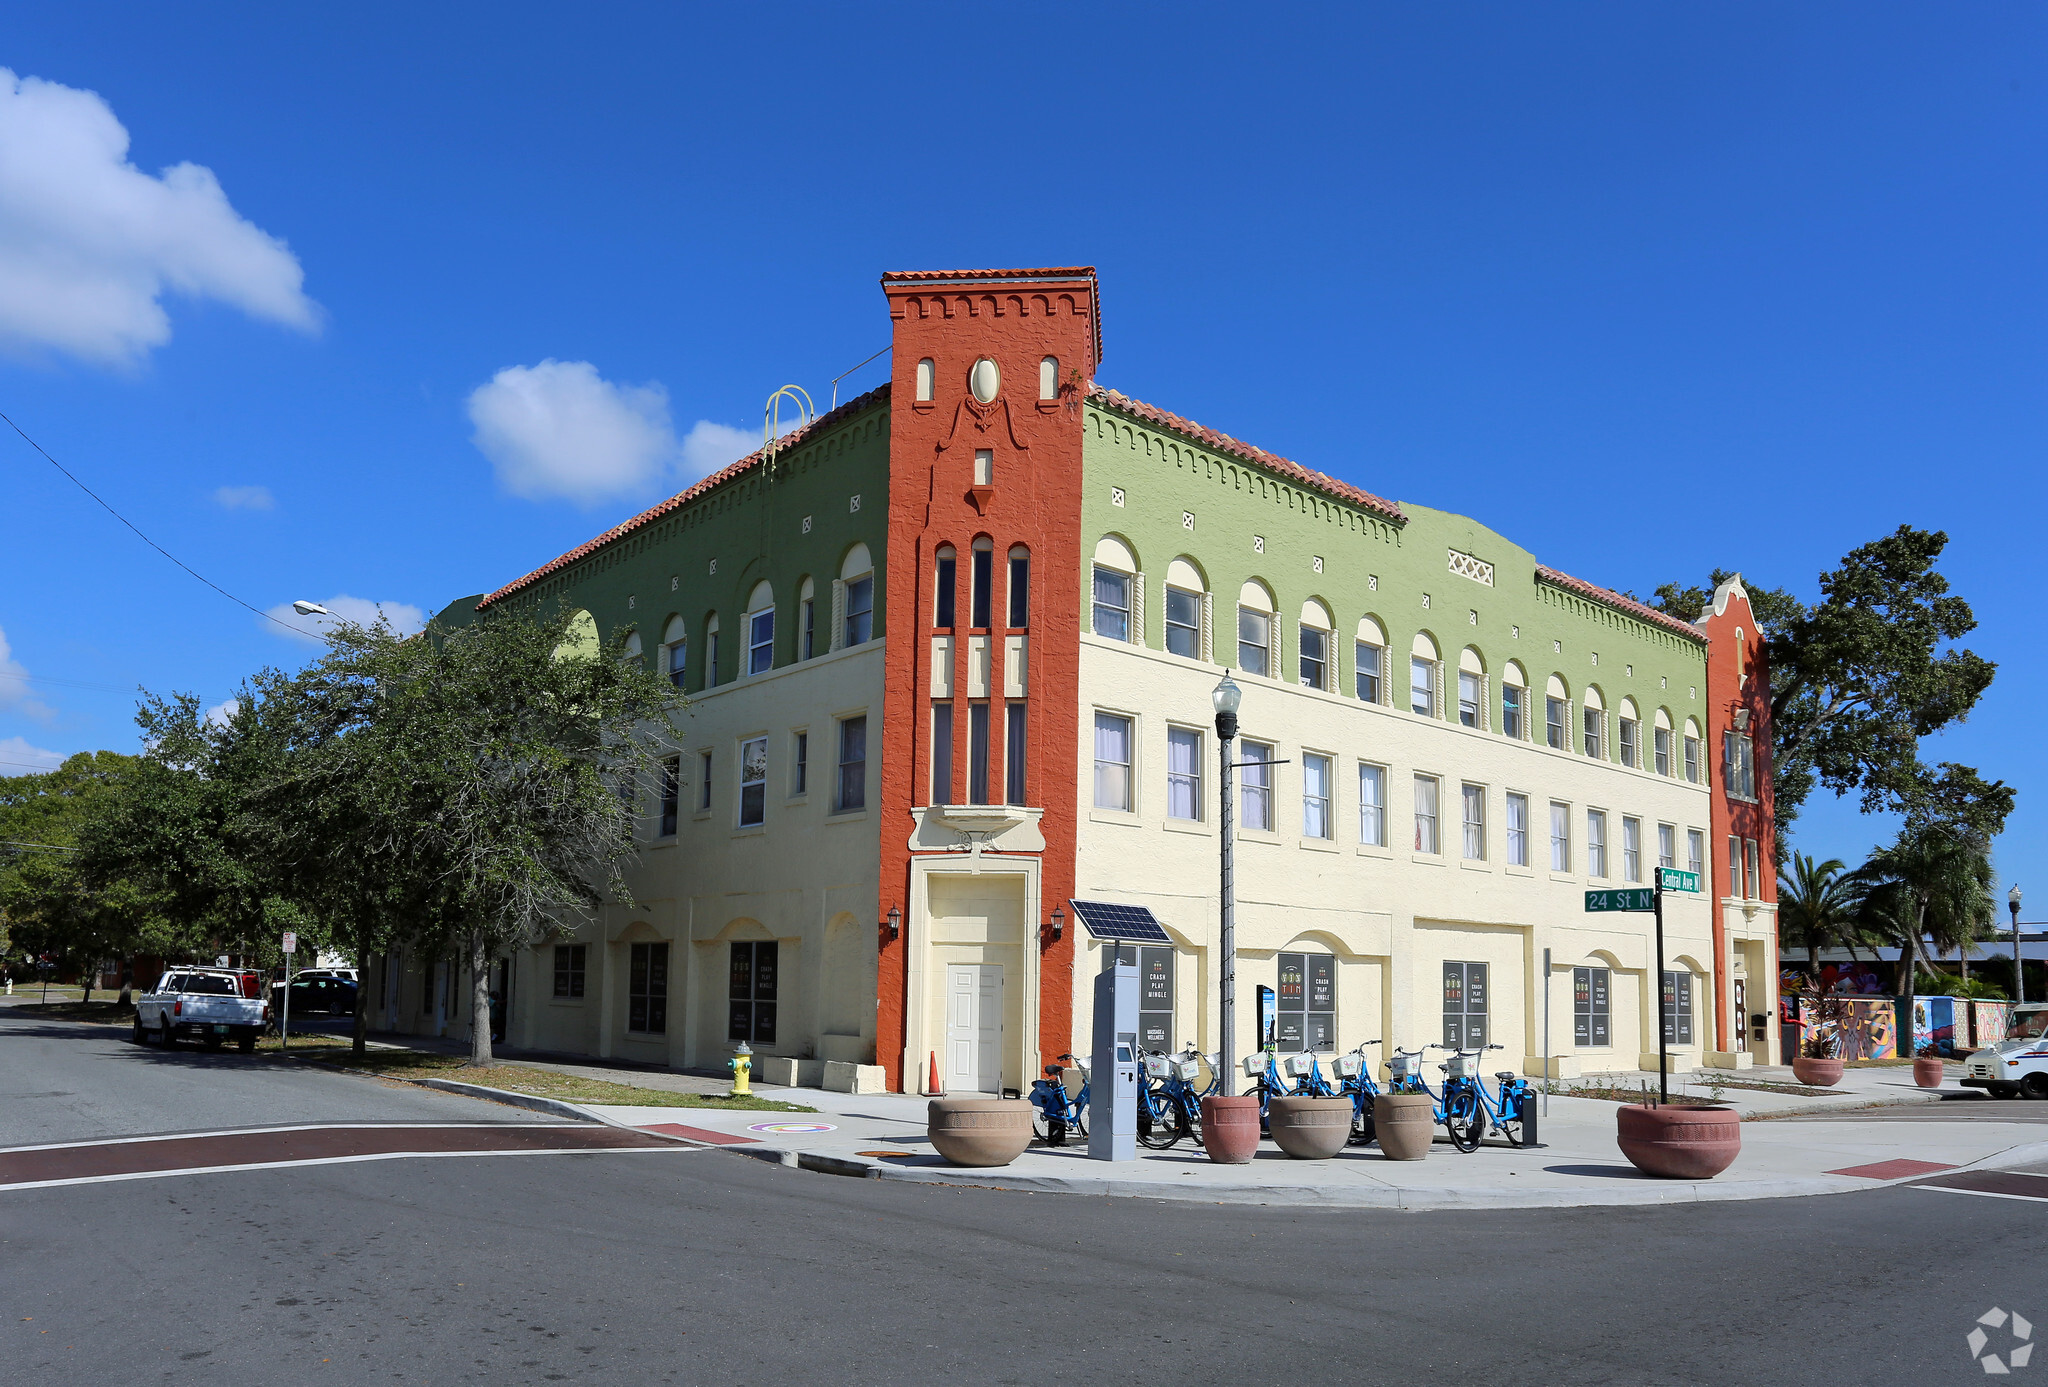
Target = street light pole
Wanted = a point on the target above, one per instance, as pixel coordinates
(1226, 697)
(2019, 973)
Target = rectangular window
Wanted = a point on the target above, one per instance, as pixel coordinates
(1596, 842)
(1474, 822)
(1425, 814)
(1112, 762)
(1678, 1008)
(1553, 722)
(1255, 786)
(1518, 830)
(1183, 773)
(1590, 989)
(1422, 686)
(984, 581)
(800, 767)
(942, 753)
(1469, 699)
(671, 794)
(1696, 853)
(1465, 1005)
(1660, 742)
(946, 584)
(1370, 664)
(1667, 846)
(809, 619)
(1631, 849)
(761, 642)
(1112, 604)
(1013, 754)
(1315, 646)
(1596, 723)
(1560, 837)
(1305, 1009)
(1184, 623)
(1692, 759)
(753, 782)
(860, 610)
(1738, 764)
(984, 468)
(1511, 700)
(1372, 805)
(977, 753)
(1752, 875)
(853, 764)
(750, 990)
(678, 663)
(1735, 869)
(711, 659)
(647, 990)
(1315, 796)
(1629, 733)
(569, 963)
(1020, 591)
(1254, 641)
(703, 781)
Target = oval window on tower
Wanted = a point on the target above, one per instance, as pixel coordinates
(985, 380)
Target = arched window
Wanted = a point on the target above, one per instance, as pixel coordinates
(1694, 772)
(1312, 645)
(853, 599)
(1557, 714)
(1115, 614)
(675, 648)
(1020, 587)
(1628, 734)
(631, 654)
(924, 379)
(1424, 676)
(1049, 378)
(1471, 689)
(1660, 743)
(981, 586)
(711, 651)
(1514, 702)
(807, 620)
(1369, 661)
(945, 584)
(1593, 714)
(1257, 647)
(1187, 610)
(761, 629)
(579, 642)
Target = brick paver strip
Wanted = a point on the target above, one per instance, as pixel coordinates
(1995, 1182)
(677, 1129)
(1893, 1170)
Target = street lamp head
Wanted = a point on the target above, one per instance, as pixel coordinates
(305, 608)
(2012, 900)
(1227, 696)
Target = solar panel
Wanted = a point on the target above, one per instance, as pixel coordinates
(1134, 924)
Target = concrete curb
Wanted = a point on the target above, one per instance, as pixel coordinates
(1904, 1100)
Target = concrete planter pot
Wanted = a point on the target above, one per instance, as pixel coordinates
(1679, 1141)
(1230, 1128)
(1309, 1129)
(1816, 1073)
(1406, 1124)
(1927, 1071)
(979, 1131)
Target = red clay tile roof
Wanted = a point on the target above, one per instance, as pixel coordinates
(1610, 598)
(1224, 443)
(683, 498)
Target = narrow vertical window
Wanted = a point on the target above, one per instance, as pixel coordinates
(1314, 657)
(1112, 762)
(1422, 686)
(1020, 588)
(1553, 723)
(761, 642)
(1254, 641)
(671, 794)
(977, 753)
(1511, 700)
(1013, 754)
(984, 467)
(1372, 805)
(1631, 849)
(1473, 821)
(753, 782)
(1255, 786)
(800, 771)
(703, 781)
(809, 619)
(1315, 796)
(1560, 837)
(942, 753)
(647, 990)
(1183, 773)
(1660, 745)
(1425, 814)
(711, 655)
(983, 584)
(860, 609)
(1469, 703)
(1370, 663)
(1049, 378)
(1595, 725)
(1753, 880)
(1735, 887)
(924, 379)
(1692, 760)
(1112, 604)
(1596, 842)
(1518, 830)
(1184, 623)
(751, 990)
(678, 662)
(1667, 846)
(1695, 852)
(944, 585)
(1630, 753)
(853, 764)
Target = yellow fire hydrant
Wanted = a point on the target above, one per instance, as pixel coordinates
(742, 1065)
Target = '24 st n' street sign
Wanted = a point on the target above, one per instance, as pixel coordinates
(1627, 898)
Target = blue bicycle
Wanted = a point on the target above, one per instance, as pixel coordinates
(1264, 1070)
(1059, 1112)
(1468, 1108)
(1354, 1080)
(1170, 1106)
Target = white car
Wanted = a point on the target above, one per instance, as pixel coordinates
(202, 1004)
(2016, 1067)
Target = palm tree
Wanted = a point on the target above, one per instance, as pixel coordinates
(1932, 880)
(1816, 907)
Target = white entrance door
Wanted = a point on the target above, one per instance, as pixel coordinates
(974, 1027)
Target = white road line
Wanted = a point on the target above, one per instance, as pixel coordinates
(1984, 1194)
(340, 1160)
(301, 1127)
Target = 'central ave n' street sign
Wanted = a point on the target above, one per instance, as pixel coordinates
(1629, 898)
(1672, 879)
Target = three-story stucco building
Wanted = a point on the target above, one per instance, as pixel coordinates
(950, 651)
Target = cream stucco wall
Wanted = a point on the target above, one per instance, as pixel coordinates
(1391, 916)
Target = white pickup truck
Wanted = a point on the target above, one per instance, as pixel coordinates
(2018, 1065)
(203, 1004)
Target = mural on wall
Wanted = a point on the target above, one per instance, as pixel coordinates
(1934, 1023)
(1871, 1030)
(1989, 1022)
(1860, 978)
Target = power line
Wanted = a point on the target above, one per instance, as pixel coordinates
(138, 533)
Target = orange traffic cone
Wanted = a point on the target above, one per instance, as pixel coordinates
(935, 1086)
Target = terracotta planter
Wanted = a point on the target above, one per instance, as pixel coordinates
(1309, 1129)
(1816, 1073)
(1230, 1128)
(1406, 1123)
(1927, 1071)
(1680, 1141)
(979, 1131)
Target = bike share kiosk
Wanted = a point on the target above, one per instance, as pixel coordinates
(1113, 1086)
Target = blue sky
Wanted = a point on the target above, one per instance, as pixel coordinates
(1648, 288)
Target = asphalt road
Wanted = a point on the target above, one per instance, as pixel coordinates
(707, 1267)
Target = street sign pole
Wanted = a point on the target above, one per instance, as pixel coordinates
(1663, 1021)
(1547, 1075)
(284, 1022)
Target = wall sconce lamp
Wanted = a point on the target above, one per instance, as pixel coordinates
(895, 922)
(1059, 921)
(1742, 719)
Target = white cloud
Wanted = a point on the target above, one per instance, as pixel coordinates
(402, 617)
(89, 243)
(708, 447)
(17, 757)
(244, 498)
(560, 429)
(14, 690)
(219, 713)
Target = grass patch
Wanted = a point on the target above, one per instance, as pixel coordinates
(1619, 1093)
(518, 1078)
